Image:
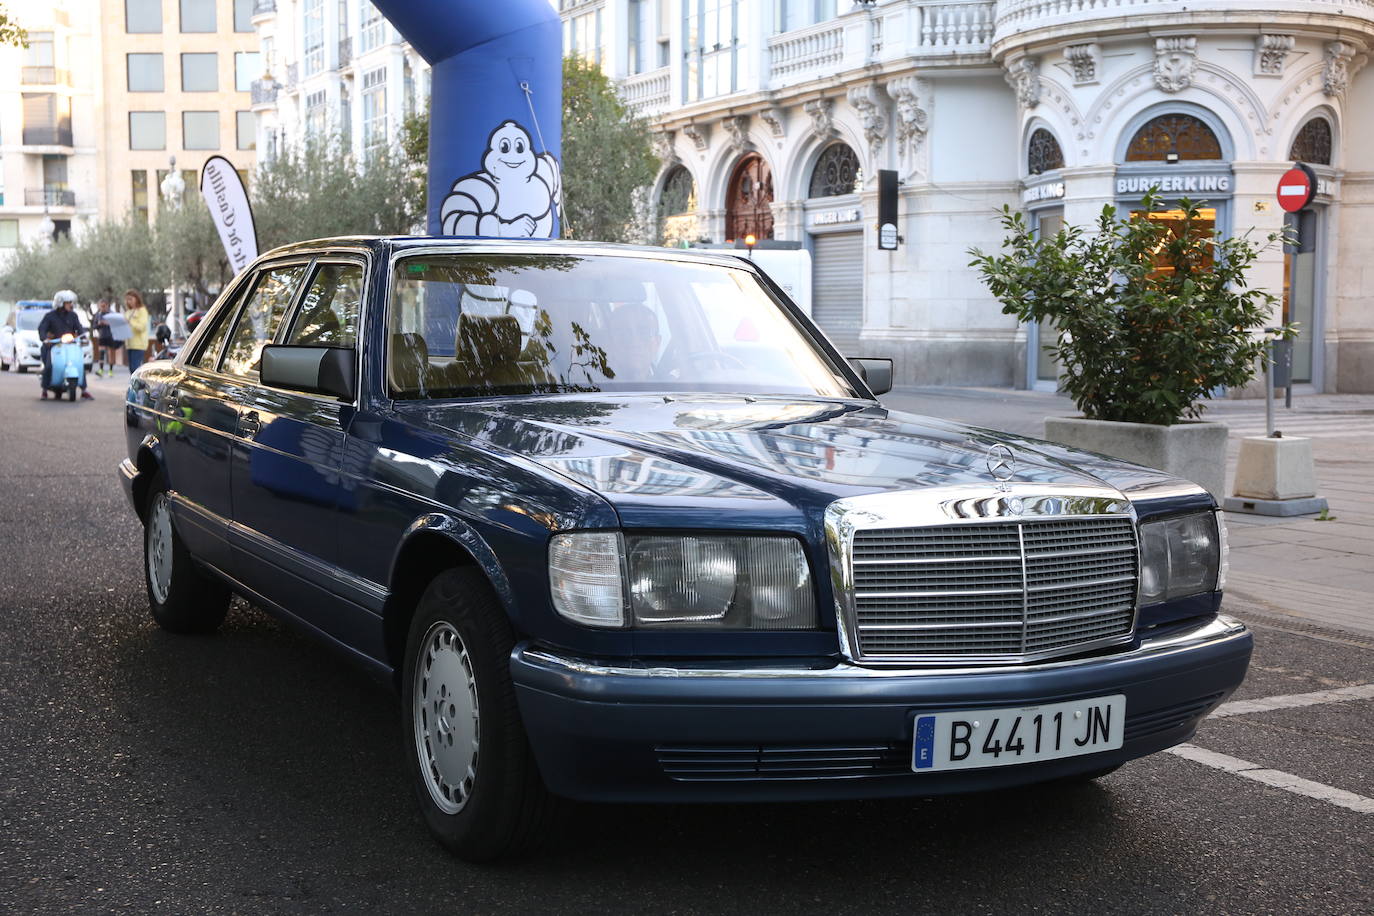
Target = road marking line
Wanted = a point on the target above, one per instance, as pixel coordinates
(1294, 700)
(1275, 778)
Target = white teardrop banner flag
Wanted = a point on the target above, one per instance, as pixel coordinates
(227, 198)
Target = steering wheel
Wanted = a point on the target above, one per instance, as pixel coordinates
(718, 357)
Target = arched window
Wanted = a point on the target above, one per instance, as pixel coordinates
(677, 204)
(1172, 138)
(1313, 143)
(1043, 154)
(749, 200)
(836, 172)
(679, 193)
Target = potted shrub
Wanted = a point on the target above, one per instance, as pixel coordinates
(1152, 316)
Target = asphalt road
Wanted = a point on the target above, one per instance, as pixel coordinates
(253, 771)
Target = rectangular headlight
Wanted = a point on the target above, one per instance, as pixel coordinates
(759, 583)
(683, 581)
(1180, 557)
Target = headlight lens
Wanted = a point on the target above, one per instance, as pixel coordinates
(692, 581)
(1180, 557)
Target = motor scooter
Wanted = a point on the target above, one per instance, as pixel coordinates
(68, 367)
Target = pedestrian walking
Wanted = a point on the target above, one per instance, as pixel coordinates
(58, 322)
(136, 313)
(107, 343)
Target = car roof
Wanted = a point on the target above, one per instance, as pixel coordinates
(402, 243)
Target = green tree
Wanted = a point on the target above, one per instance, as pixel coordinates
(317, 189)
(187, 250)
(113, 256)
(36, 269)
(11, 32)
(1150, 317)
(606, 156)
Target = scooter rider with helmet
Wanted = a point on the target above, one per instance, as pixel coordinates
(61, 320)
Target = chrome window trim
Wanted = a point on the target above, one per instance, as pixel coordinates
(332, 255)
(963, 505)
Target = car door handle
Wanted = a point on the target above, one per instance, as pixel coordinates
(249, 425)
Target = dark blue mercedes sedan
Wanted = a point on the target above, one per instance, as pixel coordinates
(623, 525)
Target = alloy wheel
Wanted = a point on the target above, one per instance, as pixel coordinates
(160, 548)
(446, 717)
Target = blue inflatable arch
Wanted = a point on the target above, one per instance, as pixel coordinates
(496, 109)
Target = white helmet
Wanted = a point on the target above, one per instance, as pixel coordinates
(61, 296)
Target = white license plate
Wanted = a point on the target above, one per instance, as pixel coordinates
(998, 737)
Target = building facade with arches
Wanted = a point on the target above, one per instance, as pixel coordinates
(775, 116)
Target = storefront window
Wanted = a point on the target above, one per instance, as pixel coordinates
(1203, 226)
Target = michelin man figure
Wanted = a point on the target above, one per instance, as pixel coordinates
(513, 196)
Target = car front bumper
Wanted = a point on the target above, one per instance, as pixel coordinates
(759, 731)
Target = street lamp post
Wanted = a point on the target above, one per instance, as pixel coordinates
(173, 188)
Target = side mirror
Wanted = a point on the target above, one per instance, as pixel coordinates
(875, 371)
(319, 370)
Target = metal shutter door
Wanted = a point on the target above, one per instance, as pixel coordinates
(837, 288)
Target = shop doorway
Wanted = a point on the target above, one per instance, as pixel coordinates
(1300, 289)
(1044, 367)
(749, 200)
(837, 287)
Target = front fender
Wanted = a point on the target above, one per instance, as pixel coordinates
(465, 536)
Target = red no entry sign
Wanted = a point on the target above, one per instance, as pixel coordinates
(1297, 187)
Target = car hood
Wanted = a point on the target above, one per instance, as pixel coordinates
(26, 337)
(766, 457)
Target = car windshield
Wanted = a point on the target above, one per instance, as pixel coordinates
(465, 325)
(29, 319)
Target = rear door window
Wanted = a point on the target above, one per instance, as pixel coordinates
(257, 323)
(328, 314)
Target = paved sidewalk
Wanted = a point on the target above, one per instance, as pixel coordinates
(1299, 569)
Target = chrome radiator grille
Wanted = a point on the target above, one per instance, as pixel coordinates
(1002, 590)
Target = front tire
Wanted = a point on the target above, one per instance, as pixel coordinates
(182, 598)
(469, 761)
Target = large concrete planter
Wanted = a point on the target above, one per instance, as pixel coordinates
(1193, 451)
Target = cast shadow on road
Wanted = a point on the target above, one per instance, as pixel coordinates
(260, 731)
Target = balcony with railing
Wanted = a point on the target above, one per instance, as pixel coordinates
(647, 93)
(47, 135)
(44, 76)
(942, 32)
(1024, 22)
(345, 52)
(293, 71)
(263, 92)
(264, 7)
(807, 52)
(49, 197)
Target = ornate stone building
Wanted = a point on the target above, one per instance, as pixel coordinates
(774, 117)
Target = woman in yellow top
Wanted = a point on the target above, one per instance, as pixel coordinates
(137, 314)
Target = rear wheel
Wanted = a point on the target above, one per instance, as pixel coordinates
(473, 773)
(183, 599)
